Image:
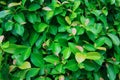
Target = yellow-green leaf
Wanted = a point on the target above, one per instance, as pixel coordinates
(25, 65)
(80, 57)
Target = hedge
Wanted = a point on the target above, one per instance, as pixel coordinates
(59, 39)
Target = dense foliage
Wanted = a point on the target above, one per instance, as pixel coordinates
(59, 39)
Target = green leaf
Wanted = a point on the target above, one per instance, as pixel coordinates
(40, 27)
(19, 29)
(111, 71)
(32, 18)
(27, 53)
(71, 65)
(49, 15)
(73, 47)
(108, 42)
(66, 53)
(80, 57)
(40, 40)
(37, 60)
(25, 65)
(34, 7)
(33, 37)
(4, 13)
(20, 18)
(115, 39)
(53, 29)
(8, 25)
(99, 42)
(56, 48)
(32, 72)
(89, 47)
(93, 55)
(52, 59)
(76, 5)
(15, 49)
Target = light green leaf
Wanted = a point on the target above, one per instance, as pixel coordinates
(93, 55)
(80, 57)
(67, 19)
(66, 53)
(52, 59)
(25, 65)
(76, 5)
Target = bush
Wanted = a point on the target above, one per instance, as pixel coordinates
(60, 40)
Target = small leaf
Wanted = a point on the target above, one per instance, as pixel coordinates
(93, 55)
(80, 57)
(14, 4)
(25, 65)
(52, 59)
(67, 19)
(47, 8)
(115, 39)
(40, 27)
(8, 25)
(66, 53)
(1, 38)
(34, 7)
(19, 29)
